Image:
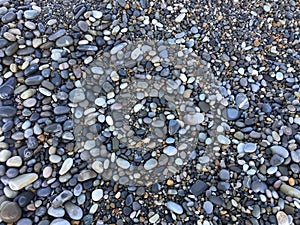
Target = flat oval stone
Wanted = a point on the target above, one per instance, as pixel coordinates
(150, 164)
(64, 41)
(30, 102)
(97, 194)
(9, 17)
(170, 150)
(250, 147)
(124, 164)
(34, 80)
(174, 207)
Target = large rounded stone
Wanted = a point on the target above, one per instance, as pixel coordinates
(10, 212)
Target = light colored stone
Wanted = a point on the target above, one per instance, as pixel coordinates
(154, 218)
(22, 181)
(4, 155)
(150, 164)
(60, 222)
(97, 195)
(97, 166)
(223, 139)
(290, 191)
(15, 161)
(193, 119)
(179, 18)
(279, 150)
(66, 166)
(124, 164)
(74, 211)
(174, 207)
(282, 218)
(170, 150)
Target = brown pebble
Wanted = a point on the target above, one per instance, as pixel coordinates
(10, 212)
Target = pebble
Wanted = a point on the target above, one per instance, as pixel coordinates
(9, 17)
(224, 174)
(97, 195)
(22, 181)
(64, 41)
(223, 140)
(124, 164)
(232, 114)
(174, 207)
(208, 207)
(193, 119)
(60, 199)
(170, 150)
(31, 14)
(7, 111)
(290, 191)
(242, 101)
(150, 164)
(295, 155)
(74, 211)
(15, 161)
(10, 212)
(60, 221)
(250, 147)
(282, 218)
(279, 150)
(66, 166)
(77, 95)
(198, 188)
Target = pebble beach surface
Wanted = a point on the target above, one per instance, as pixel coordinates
(244, 166)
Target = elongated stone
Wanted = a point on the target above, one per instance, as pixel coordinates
(66, 166)
(174, 207)
(22, 181)
(290, 191)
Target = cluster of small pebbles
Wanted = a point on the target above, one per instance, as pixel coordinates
(227, 153)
